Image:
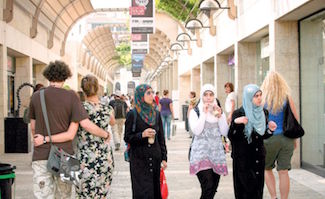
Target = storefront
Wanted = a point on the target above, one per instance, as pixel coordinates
(312, 85)
(11, 66)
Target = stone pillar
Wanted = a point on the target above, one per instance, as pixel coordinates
(222, 76)
(284, 58)
(245, 67)
(208, 73)
(175, 75)
(184, 91)
(24, 74)
(39, 78)
(3, 94)
(196, 80)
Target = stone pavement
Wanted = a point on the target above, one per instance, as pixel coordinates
(304, 185)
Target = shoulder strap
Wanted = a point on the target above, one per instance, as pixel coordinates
(134, 119)
(157, 120)
(196, 109)
(45, 114)
(218, 102)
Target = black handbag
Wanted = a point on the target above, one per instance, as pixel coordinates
(291, 127)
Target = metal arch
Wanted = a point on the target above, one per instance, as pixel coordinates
(33, 29)
(50, 41)
(151, 59)
(154, 52)
(62, 51)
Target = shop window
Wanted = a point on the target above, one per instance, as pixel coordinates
(312, 70)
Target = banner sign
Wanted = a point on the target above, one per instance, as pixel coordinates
(140, 44)
(137, 60)
(142, 16)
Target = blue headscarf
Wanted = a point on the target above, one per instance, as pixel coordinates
(255, 114)
(146, 111)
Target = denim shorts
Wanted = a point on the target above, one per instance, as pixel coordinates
(279, 150)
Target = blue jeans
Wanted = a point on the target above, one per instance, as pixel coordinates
(166, 120)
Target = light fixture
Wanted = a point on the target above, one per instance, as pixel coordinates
(176, 47)
(195, 25)
(168, 59)
(184, 37)
(206, 6)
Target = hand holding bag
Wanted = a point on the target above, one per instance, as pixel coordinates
(163, 184)
(59, 162)
(291, 127)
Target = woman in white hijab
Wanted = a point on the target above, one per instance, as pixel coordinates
(207, 156)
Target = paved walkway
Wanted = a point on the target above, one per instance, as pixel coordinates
(304, 185)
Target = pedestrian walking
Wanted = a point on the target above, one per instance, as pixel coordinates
(120, 109)
(279, 149)
(64, 113)
(148, 153)
(247, 131)
(192, 102)
(167, 112)
(230, 103)
(207, 156)
(94, 153)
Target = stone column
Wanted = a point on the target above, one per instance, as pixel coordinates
(3, 94)
(245, 67)
(184, 91)
(39, 78)
(222, 76)
(24, 74)
(175, 75)
(284, 58)
(196, 80)
(207, 73)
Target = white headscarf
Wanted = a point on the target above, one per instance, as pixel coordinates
(208, 87)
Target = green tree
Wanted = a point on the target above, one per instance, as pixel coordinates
(124, 54)
(179, 9)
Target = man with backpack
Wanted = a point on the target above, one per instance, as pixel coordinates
(120, 109)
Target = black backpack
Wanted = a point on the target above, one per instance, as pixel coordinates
(119, 109)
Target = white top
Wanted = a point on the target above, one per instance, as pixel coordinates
(231, 96)
(197, 123)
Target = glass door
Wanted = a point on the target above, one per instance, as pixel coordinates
(312, 70)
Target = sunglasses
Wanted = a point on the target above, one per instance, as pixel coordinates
(149, 92)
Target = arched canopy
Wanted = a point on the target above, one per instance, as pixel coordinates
(101, 44)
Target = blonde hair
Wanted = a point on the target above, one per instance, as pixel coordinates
(275, 91)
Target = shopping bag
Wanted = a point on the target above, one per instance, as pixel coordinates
(163, 185)
(174, 127)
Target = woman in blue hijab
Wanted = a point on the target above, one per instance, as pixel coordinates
(249, 126)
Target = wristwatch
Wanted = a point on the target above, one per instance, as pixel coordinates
(44, 140)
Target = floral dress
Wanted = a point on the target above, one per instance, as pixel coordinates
(96, 156)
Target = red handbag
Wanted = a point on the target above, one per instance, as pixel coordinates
(163, 185)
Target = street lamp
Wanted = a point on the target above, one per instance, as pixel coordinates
(206, 6)
(195, 25)
(175, 47)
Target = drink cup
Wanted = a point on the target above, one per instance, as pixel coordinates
(151, 140)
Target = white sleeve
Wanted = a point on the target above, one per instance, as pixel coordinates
(232, 96)
(197, 123)
(223, 125)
